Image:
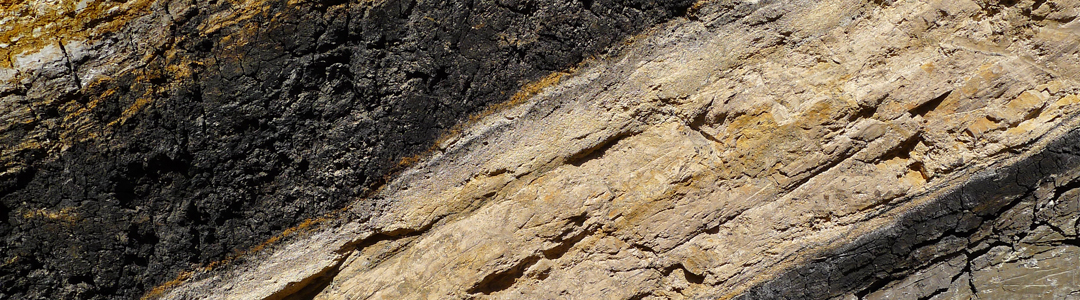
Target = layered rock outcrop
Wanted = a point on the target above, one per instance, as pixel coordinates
(142, 139)
(748, 149)
(757, 149)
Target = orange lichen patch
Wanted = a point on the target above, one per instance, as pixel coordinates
(241, 11)
(18, 116)
(534, 88)
(409, 161)
(527, 91)
(77, 110)
(35, 30)
(28, 26)
(66, 214)
(306, 226)
(132, 110)
(530, 89)
(161, 289)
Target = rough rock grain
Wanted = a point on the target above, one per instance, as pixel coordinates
(759, 149)
(145, 139)
(749, 149)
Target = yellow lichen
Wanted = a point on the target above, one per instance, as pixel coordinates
(132, 110)
(28, 26)
(66, 214)
(306, 226)
(161, 289)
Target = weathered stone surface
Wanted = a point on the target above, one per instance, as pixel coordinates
(799, 149)
(986, 225)
(142, 139)
(754, 149)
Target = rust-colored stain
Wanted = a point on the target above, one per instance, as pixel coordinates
(27, 26)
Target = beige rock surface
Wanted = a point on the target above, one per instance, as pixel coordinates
(717, 153)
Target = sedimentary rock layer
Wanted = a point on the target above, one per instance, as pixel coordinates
(142, 139)
(756, 149)
(739, 149)
(1010, 232)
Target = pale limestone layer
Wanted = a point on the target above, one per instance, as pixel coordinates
(716, 153)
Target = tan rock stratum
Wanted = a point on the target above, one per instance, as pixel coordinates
(747, 150)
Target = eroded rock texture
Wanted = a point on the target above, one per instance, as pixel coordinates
(1008, 233)
(145, 138)
(744, 149)
(757, 149)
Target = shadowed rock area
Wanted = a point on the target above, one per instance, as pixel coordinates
(145, 138)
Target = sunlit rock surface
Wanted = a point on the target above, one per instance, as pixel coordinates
(741, 149)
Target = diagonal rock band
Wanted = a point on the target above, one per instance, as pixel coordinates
(145, 139)
(739, 149)
(881, 150)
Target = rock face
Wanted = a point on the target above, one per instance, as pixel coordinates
(793, 149)
(741, 149)
(144, 138)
